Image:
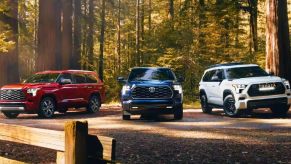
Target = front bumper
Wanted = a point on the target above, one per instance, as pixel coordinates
(18, 106)
(245, 102)
(143, 106)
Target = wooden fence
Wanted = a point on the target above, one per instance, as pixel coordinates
(73, 145)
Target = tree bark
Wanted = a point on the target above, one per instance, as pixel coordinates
(137, 35)
(9, 60)
(278, 58)
(66, 33)
(49, 35)
(119, 38)
(76, 55)
(90, 42)
(253, 6)
(171, 10)
(102, 40)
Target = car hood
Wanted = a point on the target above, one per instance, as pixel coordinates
(151, 83)
(25, 85)
(252, 80)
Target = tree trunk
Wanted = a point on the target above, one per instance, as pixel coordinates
(171, 10)
(66, 33)
(150, 16)
(90, 42)
(118, 39)
(49, 35)
(75, 59)
(278, 58)
(102, 39)
(9, 60)
(253, 6)
(137, 35)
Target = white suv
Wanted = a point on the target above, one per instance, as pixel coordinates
(237, 87)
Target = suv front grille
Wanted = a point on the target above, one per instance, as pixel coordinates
(12, 94)
(254, 90)
(152, 92)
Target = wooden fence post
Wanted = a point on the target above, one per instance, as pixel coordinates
(76, 133)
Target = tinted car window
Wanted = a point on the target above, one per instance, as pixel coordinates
(208, 75)
(43, 78)
(64, 76)
(91, 79)
(79, 78)
(219, 73)
(244, 72)
(145, 74)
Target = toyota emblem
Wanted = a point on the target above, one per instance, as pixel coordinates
(152, 89)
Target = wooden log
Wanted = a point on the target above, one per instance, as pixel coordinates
(10, 161)
(33, 136)
(60, 157)
(76, 133)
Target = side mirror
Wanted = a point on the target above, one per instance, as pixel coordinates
(180, 79)
(66, 81)
(121, 80)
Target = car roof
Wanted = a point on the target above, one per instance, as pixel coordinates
(65, 71)
(230, 65)
(150, 68)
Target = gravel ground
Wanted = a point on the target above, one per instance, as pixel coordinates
(198, 138)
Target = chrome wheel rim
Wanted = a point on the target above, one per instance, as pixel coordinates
(48, 108)
(94, 104)
(230, 106)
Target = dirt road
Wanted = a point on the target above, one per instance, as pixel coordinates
(198, 138)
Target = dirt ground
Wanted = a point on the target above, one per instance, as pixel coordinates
(198, 138)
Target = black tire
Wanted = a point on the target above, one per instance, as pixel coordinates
(204, 104)
(178, 114)
(280, 110)
(126, 117)
(11, 115)
(47, 107)
(229, 106)
(94, 104)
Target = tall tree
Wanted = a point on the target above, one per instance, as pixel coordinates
(9, 60)
(119, 36)
(253, 10)
(66, 33)
(76, 55)
(171, 10)
(137, 31)
(278, 58)
(49, 35)
(102, 40)
(90, 41)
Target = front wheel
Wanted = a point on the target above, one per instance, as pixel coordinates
(47, 107)
(280, 110)
(11, 114)
(229, 106)
(94, 104)
(204, 104)
(178, 114)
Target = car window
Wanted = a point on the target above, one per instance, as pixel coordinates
(43, 78)
(91, 78)
(80, 78)
(64, 76)
(145, 74)
(219, 73)
(208, 75)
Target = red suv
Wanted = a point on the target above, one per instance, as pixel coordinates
(50, 91)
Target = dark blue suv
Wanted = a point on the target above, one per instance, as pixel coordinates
(151, 91)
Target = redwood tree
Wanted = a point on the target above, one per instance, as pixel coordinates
(49, 35)
(9, 60)
(278, 58)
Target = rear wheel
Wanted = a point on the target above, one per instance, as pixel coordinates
(280, 110)
(229, 106)
(47, 107)
(11, 114)
(204, 104)
(94, 104)
(178, 114)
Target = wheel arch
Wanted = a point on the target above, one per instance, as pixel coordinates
(226, 93)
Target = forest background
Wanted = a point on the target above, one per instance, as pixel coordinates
(112, 36)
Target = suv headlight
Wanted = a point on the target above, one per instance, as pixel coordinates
(239, 87)
(286, 83)
(178, 88)
(32, 91)
(125, 89)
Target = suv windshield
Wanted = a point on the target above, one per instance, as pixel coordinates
(43, 78)
(245, 72)
(145, 74)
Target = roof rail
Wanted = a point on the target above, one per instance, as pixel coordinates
(225, 64)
